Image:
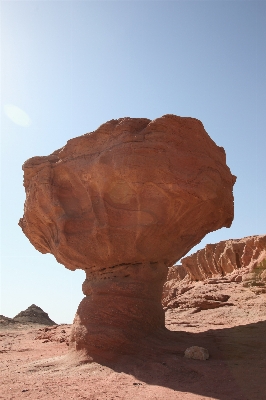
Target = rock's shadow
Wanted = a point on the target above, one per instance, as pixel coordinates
(236, 369)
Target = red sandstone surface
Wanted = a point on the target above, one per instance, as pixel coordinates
(234, 337)
(131, 191)
(227, 256)
(124, 203)
(223, 314)
(235, 260)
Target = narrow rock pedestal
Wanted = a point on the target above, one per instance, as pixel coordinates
(122, 306)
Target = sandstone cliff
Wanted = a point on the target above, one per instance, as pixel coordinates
(225, 257)
(234, 260)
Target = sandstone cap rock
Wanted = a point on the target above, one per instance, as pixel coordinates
(131, 191)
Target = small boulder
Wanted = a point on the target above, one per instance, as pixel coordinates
(197, 353)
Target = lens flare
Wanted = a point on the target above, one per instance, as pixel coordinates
(17, 115)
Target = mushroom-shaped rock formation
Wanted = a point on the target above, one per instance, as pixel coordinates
(124, 203)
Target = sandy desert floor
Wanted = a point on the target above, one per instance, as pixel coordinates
(236, 370)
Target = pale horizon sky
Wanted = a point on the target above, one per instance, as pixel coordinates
(69, 66)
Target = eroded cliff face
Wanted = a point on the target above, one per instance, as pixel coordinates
(124, 203)
(235, 260)
(225, 257)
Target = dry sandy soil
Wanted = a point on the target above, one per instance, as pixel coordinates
(236, 370)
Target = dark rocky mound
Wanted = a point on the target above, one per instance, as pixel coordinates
(6, 321)
(34, 314)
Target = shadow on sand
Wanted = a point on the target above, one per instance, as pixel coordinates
(236, 369)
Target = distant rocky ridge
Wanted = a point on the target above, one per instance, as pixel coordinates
(32, 315)
(225, 257)
(236, 260)
(6, 321)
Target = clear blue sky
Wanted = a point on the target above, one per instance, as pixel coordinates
(69, 66)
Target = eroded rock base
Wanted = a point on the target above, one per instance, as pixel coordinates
(122, 306)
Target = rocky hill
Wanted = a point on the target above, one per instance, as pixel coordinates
(6, 321)
(32, 315)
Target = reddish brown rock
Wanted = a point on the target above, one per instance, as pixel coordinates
(124, 203)
(225, 257)
(57, 333)
(236, 260)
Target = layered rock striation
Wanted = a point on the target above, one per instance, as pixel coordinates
(235, 260)
(124, 203)
(225, 257)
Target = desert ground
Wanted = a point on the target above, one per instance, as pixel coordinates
(33, 364)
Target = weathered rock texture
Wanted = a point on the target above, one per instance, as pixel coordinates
(124, 203)
(6, 321)
(34, 314)
(56, 333)
(234, 260)
(197, 353)
(224, 257)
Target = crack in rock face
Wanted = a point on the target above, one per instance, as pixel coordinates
(124, 203)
